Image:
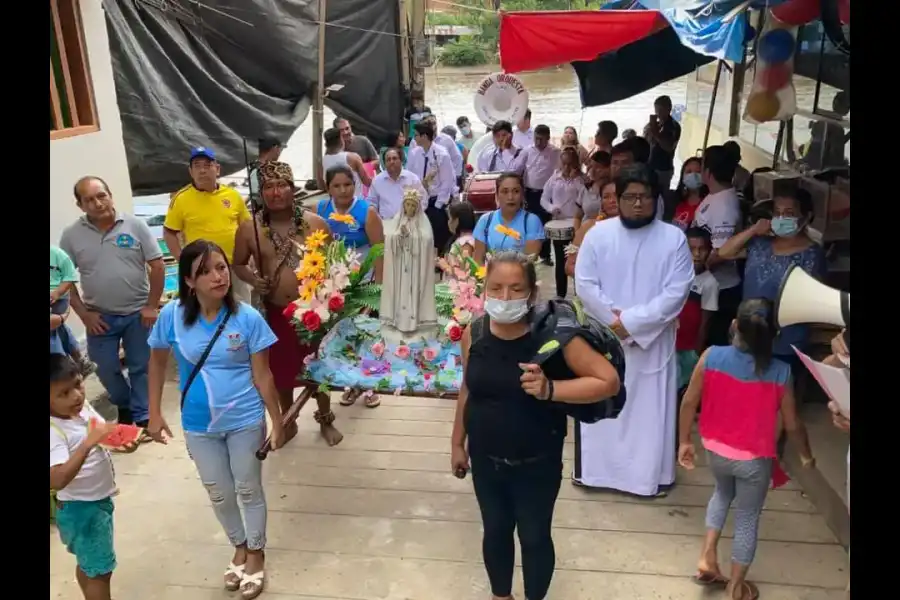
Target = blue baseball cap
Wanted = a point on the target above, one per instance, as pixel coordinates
(202, 151)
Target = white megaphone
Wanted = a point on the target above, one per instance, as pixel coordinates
(802, 299)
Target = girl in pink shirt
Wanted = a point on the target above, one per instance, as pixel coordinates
(743, 390)
(461, 222)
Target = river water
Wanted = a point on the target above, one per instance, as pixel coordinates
(554, 100)
(553, 97)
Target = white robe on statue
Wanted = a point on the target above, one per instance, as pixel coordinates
(646, 274)
(407, 291)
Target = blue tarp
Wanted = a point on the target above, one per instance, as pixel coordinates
(700, 24)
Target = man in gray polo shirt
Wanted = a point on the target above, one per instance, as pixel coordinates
(118, 301)
(359, 144)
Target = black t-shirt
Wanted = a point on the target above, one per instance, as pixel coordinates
(660, 160)
(501, 420)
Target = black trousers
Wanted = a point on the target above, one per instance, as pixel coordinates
(559, 267)
(720, 321)
(518, 497)
(533, 205)
(438, 219)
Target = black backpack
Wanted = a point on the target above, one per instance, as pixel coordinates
(555, 323)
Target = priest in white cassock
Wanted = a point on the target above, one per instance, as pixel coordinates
(634, 273)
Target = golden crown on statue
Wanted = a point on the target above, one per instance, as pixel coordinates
(410, 194)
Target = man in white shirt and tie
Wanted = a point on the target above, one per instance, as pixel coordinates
(430, 162)
(444, 141)
(523, 136)
(536, 164)
(388, 187)
(502, 154)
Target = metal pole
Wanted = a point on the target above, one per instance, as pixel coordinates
(319, 97)
(779, 143)
(403, 13)
(417, 33)
(712, 103)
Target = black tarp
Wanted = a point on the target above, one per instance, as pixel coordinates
(636, 68)
(214, 72)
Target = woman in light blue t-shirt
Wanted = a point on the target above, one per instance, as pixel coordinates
(510, 227)
(223, 404)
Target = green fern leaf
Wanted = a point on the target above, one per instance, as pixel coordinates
(375, 252)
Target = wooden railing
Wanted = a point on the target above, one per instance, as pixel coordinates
(72, 108)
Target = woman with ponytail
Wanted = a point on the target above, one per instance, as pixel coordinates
(743, 389)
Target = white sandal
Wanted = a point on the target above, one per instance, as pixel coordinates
(252, 585)
(233, 585)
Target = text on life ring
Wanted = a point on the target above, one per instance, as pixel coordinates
(503, 78)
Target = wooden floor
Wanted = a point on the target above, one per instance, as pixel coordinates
(380, 517)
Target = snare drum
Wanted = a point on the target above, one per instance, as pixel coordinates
(560, 229)
(481, 191)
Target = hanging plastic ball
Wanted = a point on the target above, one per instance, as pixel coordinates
(775, 77)
(776, 46)
(763, 106)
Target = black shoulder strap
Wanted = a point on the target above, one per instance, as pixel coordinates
(487, 230)
(203, 357)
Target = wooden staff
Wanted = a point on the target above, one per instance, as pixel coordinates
(287, 418)
(255, 200)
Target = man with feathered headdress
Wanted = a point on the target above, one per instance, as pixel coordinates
(283, 224)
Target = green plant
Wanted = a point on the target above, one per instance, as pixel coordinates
(465, 52)
(437, 18)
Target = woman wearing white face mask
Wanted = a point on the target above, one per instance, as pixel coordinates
(509, 421)
(688, 195)
(771, 247)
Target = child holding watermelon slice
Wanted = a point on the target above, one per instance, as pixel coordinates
(81, 472)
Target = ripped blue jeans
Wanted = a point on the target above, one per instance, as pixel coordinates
(232, 476)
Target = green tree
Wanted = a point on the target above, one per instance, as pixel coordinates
(483, 47)
(467, 51)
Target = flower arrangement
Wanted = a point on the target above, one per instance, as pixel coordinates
(463, 300)
(332, 285)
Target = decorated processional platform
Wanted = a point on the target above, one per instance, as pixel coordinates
(401, 336)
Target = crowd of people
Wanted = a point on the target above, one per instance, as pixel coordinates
(679, 276)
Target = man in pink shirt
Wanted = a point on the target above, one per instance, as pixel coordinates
(536, 164)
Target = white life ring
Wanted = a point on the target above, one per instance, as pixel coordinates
(478, 147)
(501, 97)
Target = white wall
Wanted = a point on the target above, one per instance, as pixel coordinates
(101, 153)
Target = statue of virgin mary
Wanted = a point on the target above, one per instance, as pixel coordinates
(407, 291)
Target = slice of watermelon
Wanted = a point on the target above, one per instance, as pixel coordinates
(121, 437)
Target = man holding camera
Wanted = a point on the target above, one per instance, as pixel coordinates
(663, 133)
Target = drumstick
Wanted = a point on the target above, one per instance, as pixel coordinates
(287, 418)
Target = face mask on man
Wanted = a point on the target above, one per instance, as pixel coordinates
(506, 311)
(465, 130)
(692, 181)
(785, 226)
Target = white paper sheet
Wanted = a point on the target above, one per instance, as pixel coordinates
(835, 381)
